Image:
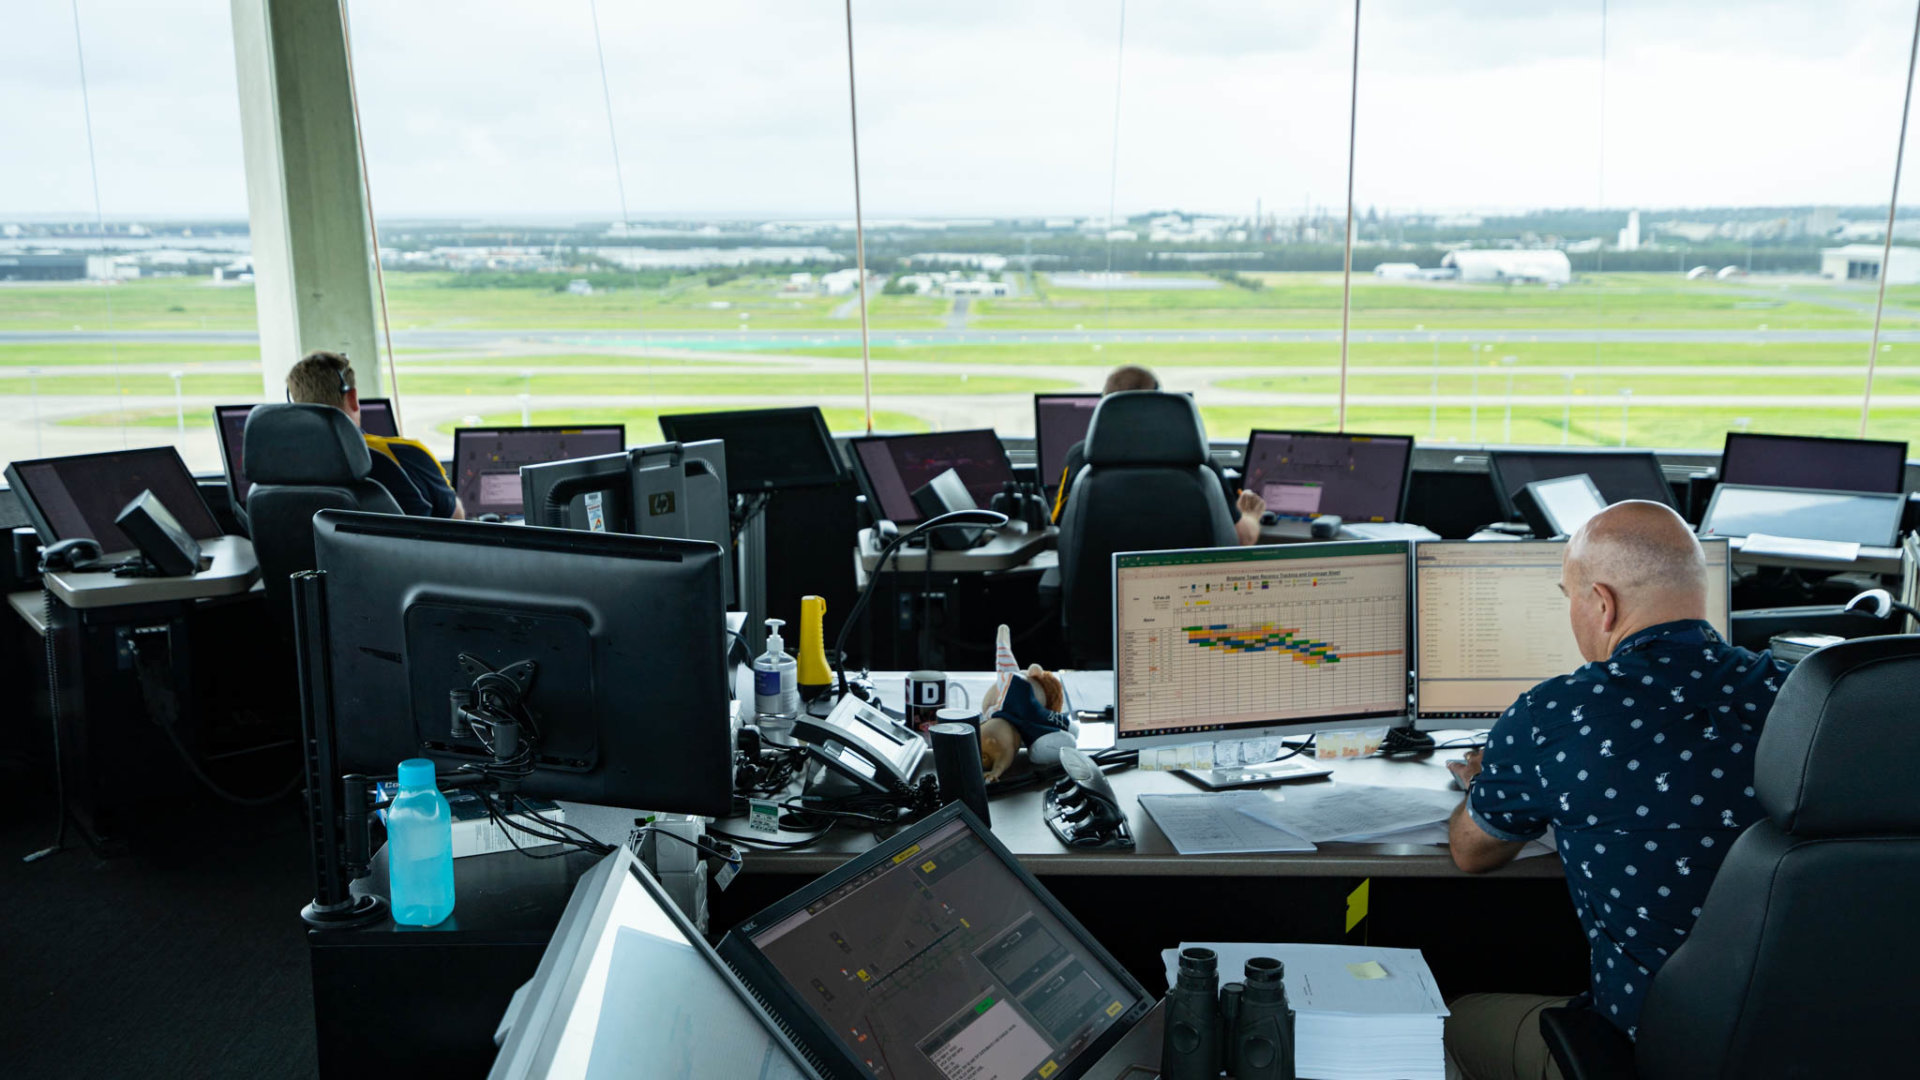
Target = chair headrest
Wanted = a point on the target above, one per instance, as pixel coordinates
(1836, 756)
(303, 444)
(1146, 427)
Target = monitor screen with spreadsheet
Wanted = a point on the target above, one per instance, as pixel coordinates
(1490, 623)
(1258, 641)
(1306, 474)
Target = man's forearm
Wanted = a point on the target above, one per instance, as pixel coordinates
(1474, 849)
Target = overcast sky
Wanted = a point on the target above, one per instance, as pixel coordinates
(739, 107)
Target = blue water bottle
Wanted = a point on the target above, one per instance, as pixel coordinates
(420, 848)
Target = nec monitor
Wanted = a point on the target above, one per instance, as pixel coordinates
(1619, 474)
(627, 983)
(1868, 518)
(767, 449)
(79, 496)
(628, 701)
(1803, 461)
(1490, 623)
(1557, 507)
(1059, 421)
(376, 417)
(1256, 642)
(893, 467)
(1306, 474)
(487, 461)
(935, 956)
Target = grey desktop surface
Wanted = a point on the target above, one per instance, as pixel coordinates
(1872, 560)
(234, 570)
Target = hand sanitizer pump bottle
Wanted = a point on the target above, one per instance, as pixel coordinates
(776, 697)
(420, 848)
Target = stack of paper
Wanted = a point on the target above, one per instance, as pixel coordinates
(1219, 823)
(1360, 1013)
(1354, 812)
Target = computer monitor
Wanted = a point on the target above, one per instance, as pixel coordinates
(1804, 461)
(628, 983)
(1868, 518)
(79, 496)
(1237, 643)
(1559, 506)
(1305, 474)
(1490, 623)
(1059, 421)
(767, 449)
(893, 467)
(1619, 474)
(628, 703)
(230, 423)
(933, 956)
(487, 461)
(376, 417)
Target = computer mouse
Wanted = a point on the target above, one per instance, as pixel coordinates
(1269, 518)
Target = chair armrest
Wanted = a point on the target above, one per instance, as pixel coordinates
(1586, 1046)
(1049, 588)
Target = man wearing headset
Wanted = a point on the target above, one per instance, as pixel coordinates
(408, 470)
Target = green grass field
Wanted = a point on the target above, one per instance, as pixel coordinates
(643, 424)
(1782, 386)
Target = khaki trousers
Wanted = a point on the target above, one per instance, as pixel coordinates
(1497, 1037)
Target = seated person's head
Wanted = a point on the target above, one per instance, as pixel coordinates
(1130, 377)
(1633, 565)
(325, 378)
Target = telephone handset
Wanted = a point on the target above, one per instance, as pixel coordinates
(79, 553)
(875, 751)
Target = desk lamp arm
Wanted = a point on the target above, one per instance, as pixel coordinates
(991, 519)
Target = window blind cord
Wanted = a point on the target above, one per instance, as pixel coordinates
(99, 219)
(1346, 272)
(1893, 204)
(859, 229)
(373, 226)
(619, 181)
(1113, 165)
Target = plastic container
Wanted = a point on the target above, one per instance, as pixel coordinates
(776, 695)
(419, 848)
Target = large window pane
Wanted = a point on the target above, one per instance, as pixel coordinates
(125, 335)
(1692, 219)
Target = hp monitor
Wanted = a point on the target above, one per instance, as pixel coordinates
(1871, 519)
(79, 496)
(627, 986)
(1803, 461)
(893, 467)
(1059, 421)
(1305, 474)
(1491, 622)
(936, 956)
(626, 697)
(1619, 474)
(487, 461)
(767, 449)
(1254, 642)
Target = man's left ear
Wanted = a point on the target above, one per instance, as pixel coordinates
(1609, 607)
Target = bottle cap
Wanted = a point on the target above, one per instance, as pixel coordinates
(416, 773)
(775, 643)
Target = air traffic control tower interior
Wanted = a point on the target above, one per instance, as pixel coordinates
(854, 541)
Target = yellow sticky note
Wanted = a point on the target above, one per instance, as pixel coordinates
(1369, 970)
(1357, 905)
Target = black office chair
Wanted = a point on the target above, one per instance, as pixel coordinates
(1802, 962)
(1146, 487)
(302, 459)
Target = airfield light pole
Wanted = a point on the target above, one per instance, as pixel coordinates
(1473, 408)
(526, 399)
(1433, 409)
(1507, 435)
(179, 402)
(1566, 411)
(1626, 406)
(33, 391)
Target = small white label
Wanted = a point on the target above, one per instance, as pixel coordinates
(728, 870)
(596, 511)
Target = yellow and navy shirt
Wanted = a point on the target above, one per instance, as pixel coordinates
(412, 475)
(1643, 766)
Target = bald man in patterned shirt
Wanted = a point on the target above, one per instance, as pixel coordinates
(1642, 763)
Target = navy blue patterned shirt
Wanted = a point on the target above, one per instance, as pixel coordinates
(1643, 766)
